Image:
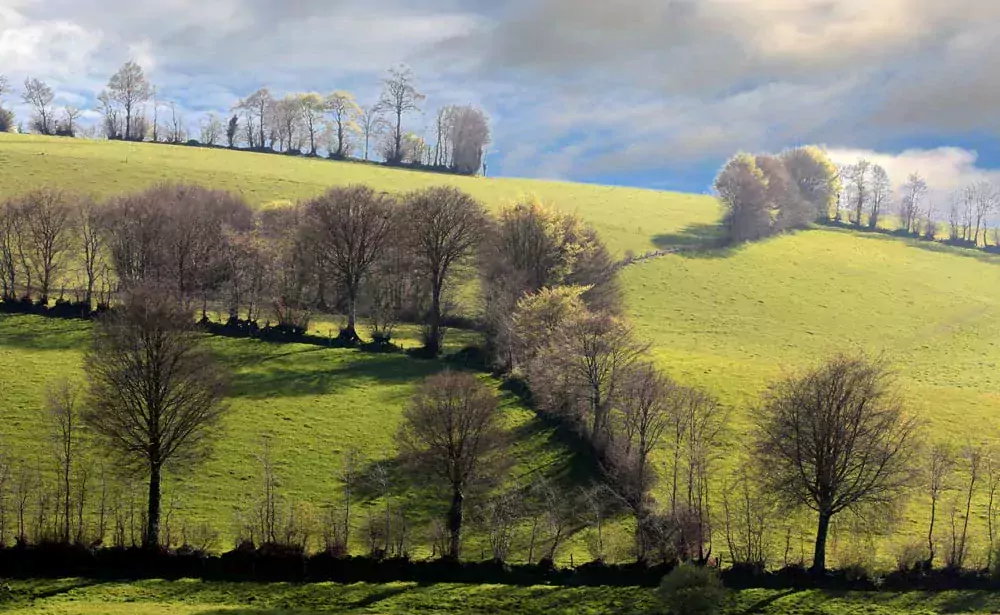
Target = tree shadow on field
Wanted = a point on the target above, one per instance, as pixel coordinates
(760, 605)
(926, 245)
(699, 240)
(40, 333)
(322, 371)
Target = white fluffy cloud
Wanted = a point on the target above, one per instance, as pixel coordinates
(946, 169)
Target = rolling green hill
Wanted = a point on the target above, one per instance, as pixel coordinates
(628, 218)
(728, 320)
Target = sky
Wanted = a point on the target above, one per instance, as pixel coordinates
(650, 93)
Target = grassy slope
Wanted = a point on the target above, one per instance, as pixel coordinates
(313, 402)
(729, 321)
(63, 597)
(734, 320)
(628, 218)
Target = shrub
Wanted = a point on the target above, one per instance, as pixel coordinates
(910, 557)
(692, 590)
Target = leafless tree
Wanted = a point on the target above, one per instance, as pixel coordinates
(6, 488)
(939, 470)
(48, 221)
(833, 439)
(11, 246)
(256, 108)
(749, 514)
(311, 110)
(648, 401)
(232, 131)
(351, 225)
(859, 184)
(70, 115)
(912, 199)
(130, 89)
(66, 424)
(443, 125)
(972, 459)
(39, 96)
(992, 505)
(880, 195)
(371, 123)
(211, 129)
(595, 353)
(399, 97)
(499, 518)
(155, 391)
(452, 429)
(345, 113)
(986, 198)
(446, 228)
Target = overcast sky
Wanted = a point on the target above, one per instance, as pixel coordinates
(640, 92)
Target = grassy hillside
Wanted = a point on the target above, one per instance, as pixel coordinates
(628, 218)
(313, 403)
(734, 320)
(63, 597)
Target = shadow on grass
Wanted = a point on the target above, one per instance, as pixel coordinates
(760, 605)
(700, 240)
(42, 333)
(317, 371)
(923, 244)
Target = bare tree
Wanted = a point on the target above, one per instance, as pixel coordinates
(879, 195)
(371, 123)
(351, 224)
(311, 110)
(130, 89)
(345, 113)
(986, 198)
(834, 439)
(399, 97)
(155, 391)
(942, 464)
(914, 192)
(39, 96)
(64, 415)
(648, 401)
(446, 228)
(859, 188)
(211, 129)
(70, 115)
(972, 457)
(48, 218)
(257, 107)
(6, 115)
(452, 429)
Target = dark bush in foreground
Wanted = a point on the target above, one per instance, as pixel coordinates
(692, 590)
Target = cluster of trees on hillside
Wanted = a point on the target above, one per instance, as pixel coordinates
(868, 195)
(297, 123)
(764, 194)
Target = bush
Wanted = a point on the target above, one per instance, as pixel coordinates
(692, 590)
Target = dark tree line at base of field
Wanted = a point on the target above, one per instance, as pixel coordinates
(833, 442)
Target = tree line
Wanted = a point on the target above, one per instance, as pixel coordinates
(832, 439)
(765, 194)
(297, 123)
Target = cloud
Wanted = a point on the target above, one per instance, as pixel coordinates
(946, 169)
(576, 88)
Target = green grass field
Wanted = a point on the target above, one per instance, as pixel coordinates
(729, 320)
(313, 404)
(627, 218)
(80, 597)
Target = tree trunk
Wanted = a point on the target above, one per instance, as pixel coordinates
(151, 539)
(455, 523)
(930, 534)
(433, 341)
(819, 554)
